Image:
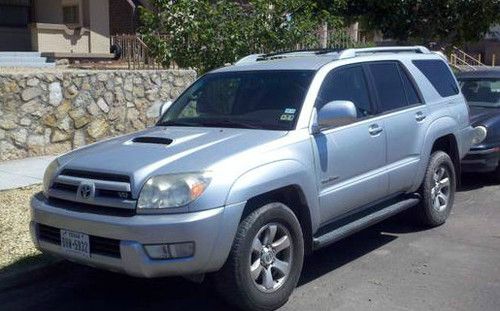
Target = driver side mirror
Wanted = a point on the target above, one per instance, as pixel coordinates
(164, 107)
(335, 113)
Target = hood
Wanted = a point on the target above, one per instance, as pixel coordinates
(483, 116)
(164, 150)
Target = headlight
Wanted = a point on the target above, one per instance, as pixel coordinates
(480, 133)
(171, 191)
(49, 176)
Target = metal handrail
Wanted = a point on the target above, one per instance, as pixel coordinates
(466, 58)
(455, 60)
(135, 52)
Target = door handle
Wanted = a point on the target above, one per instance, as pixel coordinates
(420, 116)
(375, 129)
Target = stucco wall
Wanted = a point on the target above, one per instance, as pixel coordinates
(54, 112)
(99, 26)
(49, 34)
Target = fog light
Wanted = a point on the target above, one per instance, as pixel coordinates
(170, 251)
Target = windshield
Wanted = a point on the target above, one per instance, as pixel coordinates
(481, 92)
(242, 99)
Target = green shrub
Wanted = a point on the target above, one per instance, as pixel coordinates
(203, 34)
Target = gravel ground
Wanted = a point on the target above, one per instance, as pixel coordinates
(15, 241)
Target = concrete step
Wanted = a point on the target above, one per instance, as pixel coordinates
(27, 64)
(23, 59)
(9, 59)
(20, 54)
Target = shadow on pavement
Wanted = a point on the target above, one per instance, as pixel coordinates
(473, 181)
(74, 287)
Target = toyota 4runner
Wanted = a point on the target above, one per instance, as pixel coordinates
(259, 163)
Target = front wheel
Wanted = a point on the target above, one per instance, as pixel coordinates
(265, 261)
(437, 190)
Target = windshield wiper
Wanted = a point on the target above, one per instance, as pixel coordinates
(178, 123)
(231, 123)
(237, 123)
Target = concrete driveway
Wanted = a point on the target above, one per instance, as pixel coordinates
(392, 266)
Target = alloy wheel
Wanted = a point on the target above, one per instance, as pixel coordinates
(271, 257)
(440, 192)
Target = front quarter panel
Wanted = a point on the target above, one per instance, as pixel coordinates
(277, 175)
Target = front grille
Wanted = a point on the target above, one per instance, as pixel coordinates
(98, 245)
(64, 187)
(99, 192)
(95, 175)
(89, 208)
(110, 194)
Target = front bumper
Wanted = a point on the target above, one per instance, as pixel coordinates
(212, 232)
(481, 160)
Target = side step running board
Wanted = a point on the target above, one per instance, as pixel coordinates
(362, 223)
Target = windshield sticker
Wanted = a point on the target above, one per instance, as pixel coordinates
(290, 110)
(287, 117)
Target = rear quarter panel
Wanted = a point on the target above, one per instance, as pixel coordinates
(446, 115)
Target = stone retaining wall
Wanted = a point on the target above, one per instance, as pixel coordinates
(53, 112)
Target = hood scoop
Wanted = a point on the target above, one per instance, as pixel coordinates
(152, 140)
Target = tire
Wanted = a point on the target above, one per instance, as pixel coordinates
(437, 199)
(234, 282)
(496, 174)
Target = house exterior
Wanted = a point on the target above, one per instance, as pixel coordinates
(65, 28)
(487, 49)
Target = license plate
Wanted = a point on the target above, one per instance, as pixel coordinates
(75, 243)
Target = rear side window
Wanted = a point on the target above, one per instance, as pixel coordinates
(389, 86)
(411, 92)
(440, 76)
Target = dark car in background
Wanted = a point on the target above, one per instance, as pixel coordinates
(482, 90)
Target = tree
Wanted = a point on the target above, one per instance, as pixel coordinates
(424, 21)
(204, 34)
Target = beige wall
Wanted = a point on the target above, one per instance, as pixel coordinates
(50, 35)
(59, 39)
(99, 25)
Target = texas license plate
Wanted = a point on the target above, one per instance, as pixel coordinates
(75, 243)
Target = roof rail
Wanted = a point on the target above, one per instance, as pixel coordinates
(252, 58)
(284, 54)
(349, 53)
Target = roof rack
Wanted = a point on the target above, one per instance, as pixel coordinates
(284, 54)
(304, 51)
(338, 53)
(349, 53)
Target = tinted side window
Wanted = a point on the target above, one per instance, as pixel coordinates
(346, 84)
(439, 75)
(389, 86)
(411, 93)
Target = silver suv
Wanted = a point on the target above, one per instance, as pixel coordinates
(259, 163)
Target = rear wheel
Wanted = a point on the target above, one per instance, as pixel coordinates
(265, 262)
(438, 190)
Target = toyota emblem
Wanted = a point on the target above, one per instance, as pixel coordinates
(86, 190)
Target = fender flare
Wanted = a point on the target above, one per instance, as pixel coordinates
(273, 176)
(440, 127)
